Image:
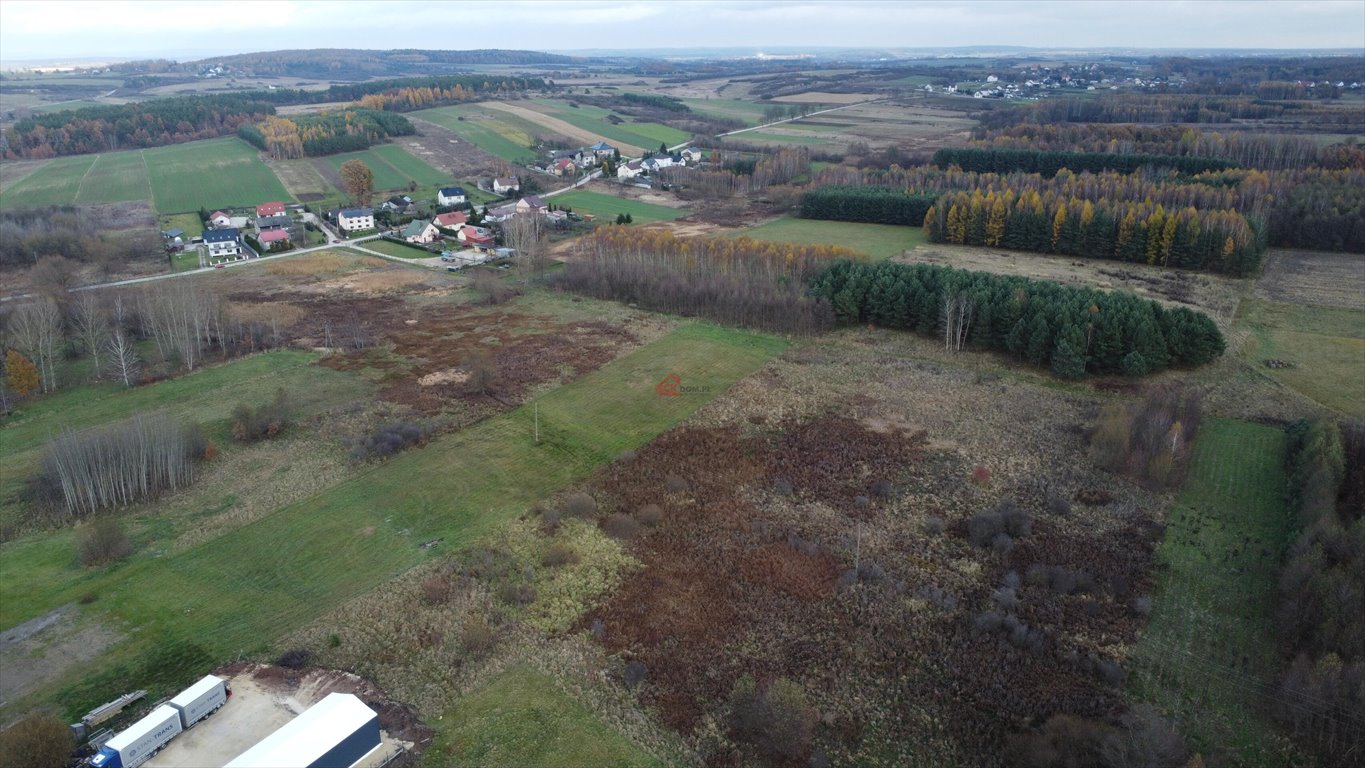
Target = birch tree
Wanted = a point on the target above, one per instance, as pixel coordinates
(122, 357)
(91, 324)
(36, 328)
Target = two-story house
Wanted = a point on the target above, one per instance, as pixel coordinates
(421, 232)
(505, 185)
(223, 243)
(355, 219)
(448, 196)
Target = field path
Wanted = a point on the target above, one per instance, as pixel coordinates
(14, 171)
(81, 184)
(561, 127)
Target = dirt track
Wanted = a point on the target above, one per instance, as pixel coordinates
(561, 127)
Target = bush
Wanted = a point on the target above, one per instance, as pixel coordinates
(517, 594)
(1006, 519)
(477, 636)
(102, 542)
(620, 526)
(437, 589)
(776, 722)
(558, 554)
(635, 673)
(650, 515)
(388, 439)
(934, 525)
(675, 484)
(580, 505)
(1145, 740)
(263, 423)
(39, 740)
(297, 658)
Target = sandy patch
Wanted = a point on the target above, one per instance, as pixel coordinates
(559, 126)
(448, 376)
(40, 651)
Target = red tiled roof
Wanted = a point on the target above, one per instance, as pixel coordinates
(269, 209)
(273, 235)
(451, 220)
(216, 214)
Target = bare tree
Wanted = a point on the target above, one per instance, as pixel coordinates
(957, 320)
(91, 324)
(525, 233)
(183, 317)
(36, 328)
(122, 357)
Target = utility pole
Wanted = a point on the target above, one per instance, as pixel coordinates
(535, 408)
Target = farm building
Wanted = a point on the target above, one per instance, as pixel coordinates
(450, 196)
(223, 243)
(269, 209)
(337, 732)
(220, 219)
(418, 231)
(273, 222)
(355, 219)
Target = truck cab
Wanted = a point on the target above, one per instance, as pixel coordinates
(106, 758)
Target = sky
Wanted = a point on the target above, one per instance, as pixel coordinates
(55, 30)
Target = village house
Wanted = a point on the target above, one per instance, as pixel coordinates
(654, 164)
(447, 196)
(452, 220)
(602, 150)
(693, 155)
(273, 239)
(563, 167)
(223, 243)
(531, 204)
(421, 232)
(476, 237)
(269, 209)
(505, 185)
(355, 219)
(273, 222)
(501, 213)
(630, 170)
(398, 203)
(220, 219)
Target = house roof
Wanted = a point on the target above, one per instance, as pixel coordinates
(564, 163)
(356, 213)
(273, 221)
(634, 165)
(273, 235)
(402, 200)
(534, 201)
(270, 209)
(602, 146)
(509, 181)
(216, 214)
(415, 227)
(452, 219)
(452, 191)
(173, 232)
(221, 235)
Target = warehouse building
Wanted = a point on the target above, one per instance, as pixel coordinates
(337, 732)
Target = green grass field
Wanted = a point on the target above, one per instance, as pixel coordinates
(500, 134)
(1210, 644)
(606, 207)
(217, 173)
(400, 250)
(393, 167)
(56, 183)
(646, 135)
(522, 718)
(114, 178)
(206, 396)
(1325, 344)
(880, 241)
(235, 593)
(750, 113)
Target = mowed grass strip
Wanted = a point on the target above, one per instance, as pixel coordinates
(522, 718)
(732, 109)
(606, 207)
(880, 241)
(54, 184)
(217, 173)
(1326, 346)
(238, 592)
(497, 134)
(400, 250)
(589, 118)
(1208, 649)
(115, 177)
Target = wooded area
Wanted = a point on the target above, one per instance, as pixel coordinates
(326, 133)
(1073, 330)
(1048, 162)
(875, 205)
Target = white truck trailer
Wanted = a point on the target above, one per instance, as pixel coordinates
(143, 739)
(200, 700)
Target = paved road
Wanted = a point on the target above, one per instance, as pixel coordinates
(791, 119)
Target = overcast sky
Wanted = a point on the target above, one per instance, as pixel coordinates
(186, 29)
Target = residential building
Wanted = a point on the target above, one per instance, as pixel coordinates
(602, 149)
(563, 167)
(273, 222)
(501, 213)
(657, 162)
(223, 243)
(273, 239)
(531, 204)
(220, 219)
(269, 209)
(420, 232)
(693, 155)
(452, 220)
(355, 219)
(397, 203)
(509, 184)
(447, 196)
(477, 237)
(629, 170)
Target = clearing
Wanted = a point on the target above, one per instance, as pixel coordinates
(216, 173)
(1207, 655)
(1318, 351)
(606, 207)
(880, 241)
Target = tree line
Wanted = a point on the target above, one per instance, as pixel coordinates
(28, 234)
(1049, 162)
(1251, 150)
(1276, 204)
(1186, 238)
(657, 101)
(327, 133)
(779, 167)
(1321, 612)
(877, 205)
(741, 281)
(1169, 108)
(1074, 331)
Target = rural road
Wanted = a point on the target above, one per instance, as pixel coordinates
(791, 119)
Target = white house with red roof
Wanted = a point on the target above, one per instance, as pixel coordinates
(269, 209)
(452, 220)
(271, 239)
(220, 219)
(476, 236)
(563, 167)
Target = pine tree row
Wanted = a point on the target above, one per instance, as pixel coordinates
(876, 205)
(1049, 162)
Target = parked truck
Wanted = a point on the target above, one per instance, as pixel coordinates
(200, 700)
(139, 742)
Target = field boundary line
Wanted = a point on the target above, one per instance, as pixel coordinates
(80, 185)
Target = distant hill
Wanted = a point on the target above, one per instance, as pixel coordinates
(358, 64)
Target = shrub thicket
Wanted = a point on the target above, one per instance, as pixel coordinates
(388, 439)
(262, 422)
(102, 542)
